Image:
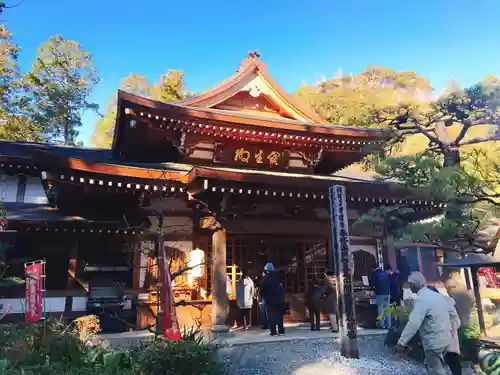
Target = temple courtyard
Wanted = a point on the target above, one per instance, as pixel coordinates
(316, 357)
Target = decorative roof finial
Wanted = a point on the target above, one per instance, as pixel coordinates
(254, 54)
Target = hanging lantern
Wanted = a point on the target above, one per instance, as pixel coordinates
(197, 263)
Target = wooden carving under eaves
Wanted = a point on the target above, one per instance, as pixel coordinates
(182, 145)
(209, 222)
(311, 159)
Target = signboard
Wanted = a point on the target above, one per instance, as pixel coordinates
(34, 291)
(251, 155)
(344, 262)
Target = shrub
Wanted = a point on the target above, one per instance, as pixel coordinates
(57, 349)
(176, 358)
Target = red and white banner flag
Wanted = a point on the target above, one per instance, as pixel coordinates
(489, 274)
(34, 286)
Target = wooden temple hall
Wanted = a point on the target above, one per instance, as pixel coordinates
(235, 177)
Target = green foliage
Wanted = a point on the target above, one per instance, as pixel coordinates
(176, 358)
(194, 333)
(350, 100)
(9, 70)
(170, 88)
(466, 181)
(59, 84)
(19, 128)
(395, 311)
(14, 124)
(57, 349)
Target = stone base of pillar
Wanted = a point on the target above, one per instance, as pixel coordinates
(349, 347)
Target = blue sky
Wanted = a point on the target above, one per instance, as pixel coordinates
(299, 40)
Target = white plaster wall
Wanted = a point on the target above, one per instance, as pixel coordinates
(8, 188)
(34, 191)
(52, 305)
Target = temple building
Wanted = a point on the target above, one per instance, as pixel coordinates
(231, 179)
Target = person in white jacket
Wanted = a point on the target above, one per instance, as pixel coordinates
(452, 357)
(245, 291)
(433, 319)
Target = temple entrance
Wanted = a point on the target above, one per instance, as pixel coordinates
(300, 259)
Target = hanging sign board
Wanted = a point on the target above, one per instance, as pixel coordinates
(251, 155)
(34, 291)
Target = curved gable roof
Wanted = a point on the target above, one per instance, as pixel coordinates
(253, 72)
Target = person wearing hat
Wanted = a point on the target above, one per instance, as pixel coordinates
(273, 293)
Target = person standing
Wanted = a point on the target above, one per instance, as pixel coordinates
(452, 356)
(381, 286)
(330, 302)
(433, 319)
(395, 285)
(313, 304)
(396, 289)
(245, 290)
(273, 292)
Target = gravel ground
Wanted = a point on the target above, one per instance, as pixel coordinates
(315, 357)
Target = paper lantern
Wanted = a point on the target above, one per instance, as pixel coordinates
(197, 263)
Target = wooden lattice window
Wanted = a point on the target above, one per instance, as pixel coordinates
(301, 259)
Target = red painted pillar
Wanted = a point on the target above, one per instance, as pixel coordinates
(170, 326)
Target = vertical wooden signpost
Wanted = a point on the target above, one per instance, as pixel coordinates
(343, 261)
(380, 254)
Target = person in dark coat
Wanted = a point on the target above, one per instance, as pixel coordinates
(381, 286)
(273, 292)
(313, 303)
(395, 285)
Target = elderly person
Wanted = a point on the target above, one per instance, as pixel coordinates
(452, 357)
(433, 318)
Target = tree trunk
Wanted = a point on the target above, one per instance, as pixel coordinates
(454, 211)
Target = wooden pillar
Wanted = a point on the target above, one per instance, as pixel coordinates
(73, 255)
(220, 304)
(340, 237)
(477, 295)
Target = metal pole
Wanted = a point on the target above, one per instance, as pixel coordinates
(343, 260)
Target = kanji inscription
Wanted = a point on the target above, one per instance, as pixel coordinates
(251, 155)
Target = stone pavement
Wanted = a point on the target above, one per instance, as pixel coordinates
(316, 357)
(293, 333)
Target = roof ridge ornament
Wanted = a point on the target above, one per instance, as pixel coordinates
(254, 55)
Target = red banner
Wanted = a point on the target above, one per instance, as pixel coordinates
(34, 286)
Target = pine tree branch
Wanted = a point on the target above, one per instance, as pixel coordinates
(492, 137)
